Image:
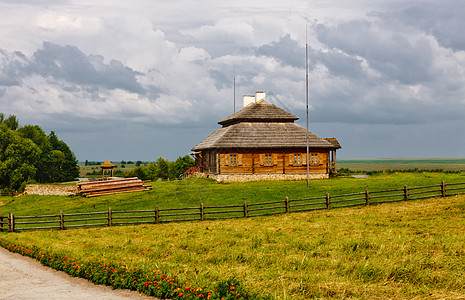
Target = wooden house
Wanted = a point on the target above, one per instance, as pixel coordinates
(262, 142)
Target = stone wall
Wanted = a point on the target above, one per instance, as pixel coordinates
(48, 189)
(265, 177)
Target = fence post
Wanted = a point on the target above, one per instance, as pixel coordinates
(110, 220)
(11, 222)
(367, 197)
(288, 207)
(443, 188)
(328, 201)
(157, 216)
(1, 222)
(405, 192)
(62, 220)
(201, 212)
(245, 209)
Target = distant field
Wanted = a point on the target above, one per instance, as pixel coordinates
(449, 164)
(84, 170)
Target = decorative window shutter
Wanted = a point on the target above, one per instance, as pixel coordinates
(291, 159)
(226, 159)
(262, 159)
(239, 159)
(303, 159)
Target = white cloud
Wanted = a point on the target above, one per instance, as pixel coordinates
(67, 22)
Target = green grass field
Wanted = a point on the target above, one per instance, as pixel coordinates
(401, 250)
(398, 251)
(447, 164)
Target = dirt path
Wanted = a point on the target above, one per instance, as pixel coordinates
(25, 278)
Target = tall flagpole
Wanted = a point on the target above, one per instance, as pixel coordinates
(234, 88)
(306, 97)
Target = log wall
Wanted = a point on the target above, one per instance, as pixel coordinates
(272, 162)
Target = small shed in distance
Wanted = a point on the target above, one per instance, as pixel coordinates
(107, 166)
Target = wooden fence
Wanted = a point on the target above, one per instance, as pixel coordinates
(6, 194)
(63, 221)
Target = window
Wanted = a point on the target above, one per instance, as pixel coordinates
(233, 159)
(297, 159)
(268, 160)
(314, 159)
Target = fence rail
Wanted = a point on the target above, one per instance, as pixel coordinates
(109, 218)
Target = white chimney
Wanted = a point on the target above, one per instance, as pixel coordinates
(259, 96)
(248, 99)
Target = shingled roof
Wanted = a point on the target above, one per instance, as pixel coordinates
(262, 135)
(262, 125)
(259, 112)
(335, 142)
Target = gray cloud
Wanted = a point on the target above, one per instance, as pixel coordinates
(70, 64)
(443, 20)
(286, 50)
(10, 68)
(390, 53)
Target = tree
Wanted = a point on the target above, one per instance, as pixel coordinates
(27, 154)
(11, 122)
(140, 172)
(162, 170)
(38, 136)
(18, 156)
(63, 161)
(181, 165)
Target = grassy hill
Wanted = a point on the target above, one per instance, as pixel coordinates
(188, 193)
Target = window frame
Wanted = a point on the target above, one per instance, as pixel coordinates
(233, 159)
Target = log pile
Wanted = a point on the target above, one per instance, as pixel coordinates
(112, 186)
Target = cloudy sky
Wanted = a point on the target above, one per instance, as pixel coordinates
(136, 80)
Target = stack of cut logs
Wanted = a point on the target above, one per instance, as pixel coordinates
(112, 186)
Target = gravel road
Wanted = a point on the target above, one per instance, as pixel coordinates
(25, 278)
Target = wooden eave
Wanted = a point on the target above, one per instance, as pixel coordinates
(247, 135)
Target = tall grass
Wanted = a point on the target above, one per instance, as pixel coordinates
(403, 250)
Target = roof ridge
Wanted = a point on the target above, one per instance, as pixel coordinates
(261, 111)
